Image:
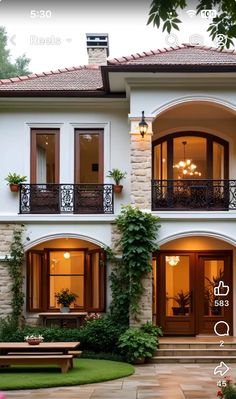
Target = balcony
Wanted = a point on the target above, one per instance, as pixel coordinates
(66, 198)
(189, 195)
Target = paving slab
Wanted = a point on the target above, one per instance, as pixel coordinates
(160, 381)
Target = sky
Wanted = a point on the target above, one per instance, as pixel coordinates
(64, 24)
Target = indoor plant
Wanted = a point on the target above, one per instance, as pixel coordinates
(183, 299)
(117, 175)
(65, 298)
(14, 180)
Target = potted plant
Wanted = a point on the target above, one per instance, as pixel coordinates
(136, 345)
(183, 299)
(117, 176)
(65, 298)
(14, 180)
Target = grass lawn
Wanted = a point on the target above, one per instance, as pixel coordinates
(85, 371)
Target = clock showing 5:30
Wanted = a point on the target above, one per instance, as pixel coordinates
(40, 14)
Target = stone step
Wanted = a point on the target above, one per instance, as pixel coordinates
(196, 345)
(193, 359)
(196, 352)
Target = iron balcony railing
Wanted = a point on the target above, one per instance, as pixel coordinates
(187, 195)
(66, 198)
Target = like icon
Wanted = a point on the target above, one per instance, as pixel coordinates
(221, 289)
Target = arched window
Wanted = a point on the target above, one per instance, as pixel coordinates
(190, 155)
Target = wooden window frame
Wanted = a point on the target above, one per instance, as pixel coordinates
(210, 139)
(45, 280)
(77, 133)
(33, 167)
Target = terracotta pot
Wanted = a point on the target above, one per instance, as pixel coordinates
(14, 188)
(118, 188)
(34, 341)
(140, 360)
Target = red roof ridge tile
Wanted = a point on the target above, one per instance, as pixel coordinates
(33, 76)
(136, 56)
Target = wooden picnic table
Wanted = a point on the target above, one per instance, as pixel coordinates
(44, 353)
(63, 347)
(77, 316)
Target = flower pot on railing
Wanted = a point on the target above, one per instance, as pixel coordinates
(65, 309)
(14, 188)
(118, 188)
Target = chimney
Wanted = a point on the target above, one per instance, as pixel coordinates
(97, 48)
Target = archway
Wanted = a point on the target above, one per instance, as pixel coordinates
(66, 262)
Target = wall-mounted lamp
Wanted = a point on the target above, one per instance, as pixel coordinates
(66, 255)
(143, 126)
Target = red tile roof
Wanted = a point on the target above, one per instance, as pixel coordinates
(82, 78)
(91, 80)
(185, 54)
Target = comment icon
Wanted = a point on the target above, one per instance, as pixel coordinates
(221, 328)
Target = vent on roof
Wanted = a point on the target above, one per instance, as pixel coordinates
(97, 48)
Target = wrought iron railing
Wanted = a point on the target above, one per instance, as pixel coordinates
(66, 198)
(187, 195)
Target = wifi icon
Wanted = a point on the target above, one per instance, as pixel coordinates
(191, 13)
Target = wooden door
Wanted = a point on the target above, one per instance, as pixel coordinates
(186, 300)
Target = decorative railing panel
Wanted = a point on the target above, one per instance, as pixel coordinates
(187, 195)
(66, 198)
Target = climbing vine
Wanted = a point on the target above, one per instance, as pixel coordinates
(138, 232)
(15, 262)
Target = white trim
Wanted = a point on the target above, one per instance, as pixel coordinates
(197, 233)
(62, 218)
(193, 99)
(47, 125)
(49, 237)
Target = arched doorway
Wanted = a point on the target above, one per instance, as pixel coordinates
(186, 298)
(65, 263)
(190, 171)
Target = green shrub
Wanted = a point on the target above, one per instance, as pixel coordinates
(98, 335)
(101, 335)
(102, 355)
(151, 329)
(7, 326)
(135, 344)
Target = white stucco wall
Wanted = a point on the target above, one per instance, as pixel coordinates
(15, 143)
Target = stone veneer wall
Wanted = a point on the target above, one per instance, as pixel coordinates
(141, 174)
(6, 232)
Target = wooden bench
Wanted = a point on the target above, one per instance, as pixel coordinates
(63, 361)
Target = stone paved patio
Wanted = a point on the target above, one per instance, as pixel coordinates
(169, 381)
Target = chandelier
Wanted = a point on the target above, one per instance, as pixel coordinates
(186, 167)
(172, 260)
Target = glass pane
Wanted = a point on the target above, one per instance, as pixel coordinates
(218, 161)
(213, 274)
(89, 158)
(160, 161)
(177, 285)
(66, 262)
(35, 280)
(154, 287)
(75, 285)
(190, 158)
(45, 158)
(95, 280)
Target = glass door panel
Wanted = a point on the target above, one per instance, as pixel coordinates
(213, 274)
(178, 293)
(189, 157)
(218, 161)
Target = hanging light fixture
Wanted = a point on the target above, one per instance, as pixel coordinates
(143, 126)
(186, 167)
(172, 260)
(66, 255)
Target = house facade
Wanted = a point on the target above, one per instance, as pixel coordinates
(66, 129)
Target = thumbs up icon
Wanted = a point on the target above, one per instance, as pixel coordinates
(221, 289)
